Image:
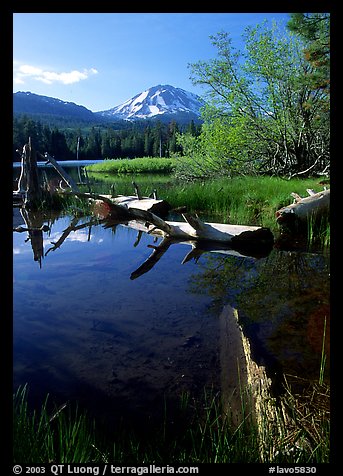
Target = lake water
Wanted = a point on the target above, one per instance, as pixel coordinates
(63, 163)
(99, 321)
(89, 328)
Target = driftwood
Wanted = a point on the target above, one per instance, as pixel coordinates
(28, 190)
(198, 248)
(192, 229)
(67, 179)
(158, 207)
(316, 205)
(21, 229)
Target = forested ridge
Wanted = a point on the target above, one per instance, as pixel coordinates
(153, 139)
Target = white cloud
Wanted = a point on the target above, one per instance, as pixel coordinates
(26, 71)
(78, 235)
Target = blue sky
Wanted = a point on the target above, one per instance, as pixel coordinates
(100, 60)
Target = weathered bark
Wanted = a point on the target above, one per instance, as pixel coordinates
(22, 182)
(244, 383)
(303, 209)
(119, 207)
(195, 229)
(21, 229)
(68, 180)
(28, 191)
(158, 207)
(33, 191)
(151, 203)
(191, 229)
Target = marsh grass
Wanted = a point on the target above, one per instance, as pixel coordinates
(46, 436)
(297, 433)
(239, 200)
(318, 232)
(306, 417)
(139, 165)
(244, 200)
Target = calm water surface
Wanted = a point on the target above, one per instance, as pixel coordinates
(85, 330)
(99, 321)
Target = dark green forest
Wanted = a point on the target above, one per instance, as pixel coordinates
(154, 139)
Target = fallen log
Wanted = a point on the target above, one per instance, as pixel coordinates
(151, 203)
(106, 205)
(246, 388)
(315, 206)
(67, 179)
(192, 229)
(21, 229)
(158, 207)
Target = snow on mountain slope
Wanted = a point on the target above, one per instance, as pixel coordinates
(161, 100)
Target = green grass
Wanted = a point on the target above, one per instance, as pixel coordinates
(241, 200)
(238, 200)
(298, 432)
(43, 437)
(141, 165)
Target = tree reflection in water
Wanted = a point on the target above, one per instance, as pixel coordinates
(283, 303)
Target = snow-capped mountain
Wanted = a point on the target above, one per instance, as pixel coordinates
(162, 102)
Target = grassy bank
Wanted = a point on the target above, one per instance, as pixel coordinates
(141, 165)
(238, 200)
(69, 436)
(244, 200)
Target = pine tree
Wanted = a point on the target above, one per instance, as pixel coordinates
(314, 29)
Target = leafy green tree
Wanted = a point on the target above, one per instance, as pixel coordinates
(258, 117)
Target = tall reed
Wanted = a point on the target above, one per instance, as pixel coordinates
(60, 435)
(297, 433)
